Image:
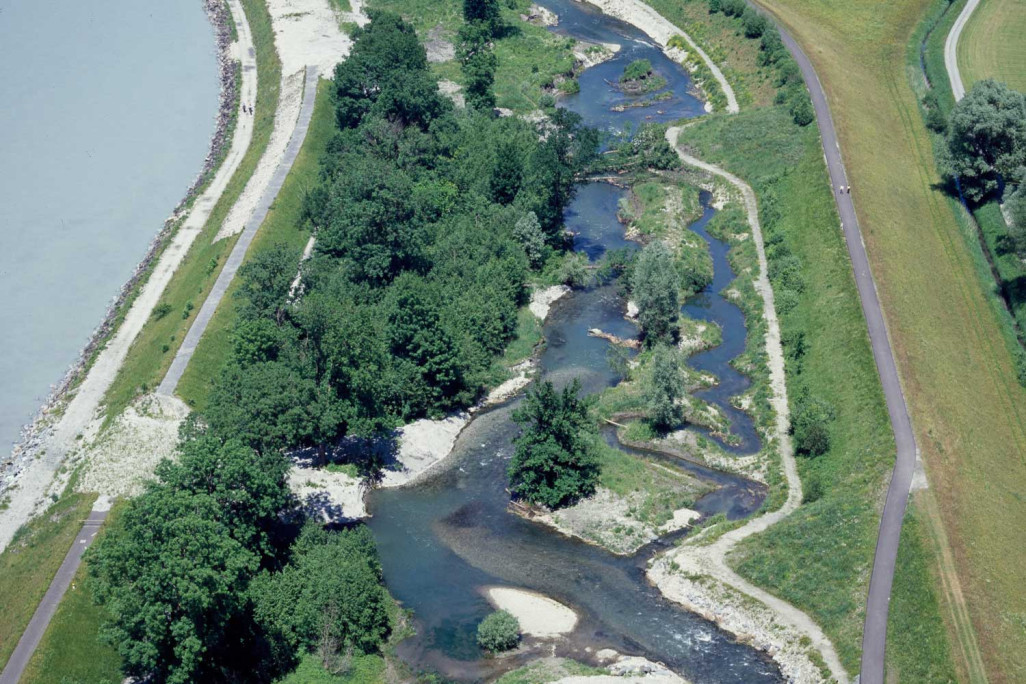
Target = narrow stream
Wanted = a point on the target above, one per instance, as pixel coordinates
(445, 538)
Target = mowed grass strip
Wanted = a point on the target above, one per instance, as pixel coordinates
(992, 45)
(153, 350)
(967, 408)
(284, 225)
(29, 563)
(71, 649)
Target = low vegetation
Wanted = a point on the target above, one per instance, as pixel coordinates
(498, 632)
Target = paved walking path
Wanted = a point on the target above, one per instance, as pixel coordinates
(238, 253)
(33, 482)
(48, 606)
(951, 49)
(874, 637)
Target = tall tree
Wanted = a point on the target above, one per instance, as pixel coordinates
(507, 173)
(665, 389)
(987, 137)
(655, 286)
(478, 63)
(553, 464)
(486, 12)
(553, 168)
(173, 579)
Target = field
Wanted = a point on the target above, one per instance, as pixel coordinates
(958, 373)
(152, 352)
(284, 225)
(992, 45)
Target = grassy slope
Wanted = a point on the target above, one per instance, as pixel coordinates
(29, 563)
(71, 650)
(283, 225)
(148, 360)
(992, 45)
(959, 378)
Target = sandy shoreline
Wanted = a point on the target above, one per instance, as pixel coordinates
(31, 435)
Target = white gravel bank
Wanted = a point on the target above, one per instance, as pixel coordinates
(539, 616)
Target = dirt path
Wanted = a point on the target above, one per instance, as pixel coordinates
(33, 482)
(711, 559)
(661, 29)
(951, 49)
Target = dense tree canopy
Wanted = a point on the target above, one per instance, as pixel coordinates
(987, 137)
(553, 464)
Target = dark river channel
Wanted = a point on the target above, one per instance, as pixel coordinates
(445, 538)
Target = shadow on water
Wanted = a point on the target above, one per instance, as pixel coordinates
(446, 538)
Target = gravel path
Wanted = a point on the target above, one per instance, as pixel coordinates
(712, 558)
(951, 49)
(238, 253)
(34, 480)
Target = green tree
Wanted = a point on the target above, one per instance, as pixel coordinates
(172, 578)
(264, 282)
(249, 489)
(810, 424)
(498, 632)
(507, 173)
(528, 233)
(328, 596)
(655, 286)
(987, 137)
(386, 74)
(478, 63)
(553, 464)
(665, 389)
(485, 12)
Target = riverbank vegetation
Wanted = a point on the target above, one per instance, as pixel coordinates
(404, 306)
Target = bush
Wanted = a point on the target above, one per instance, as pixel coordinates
(801, 109)
(754, 23)
(810, 425)
(498, 632)
(636, 70)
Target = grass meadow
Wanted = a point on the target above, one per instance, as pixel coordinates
(967, 408)
(30, 561)
(992, 45)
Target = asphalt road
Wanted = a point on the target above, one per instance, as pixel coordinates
(46, 609)
(951, 49)
(874, 637)
(238, 253)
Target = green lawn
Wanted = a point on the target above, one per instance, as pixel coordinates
(958, 372)
(28, 564)
(284, 225)
(992, 44)
(155, 347)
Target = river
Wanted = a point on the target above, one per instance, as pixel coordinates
(445, 538)
(108, 110)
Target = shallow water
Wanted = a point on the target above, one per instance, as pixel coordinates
(108, 109)
(446, 538)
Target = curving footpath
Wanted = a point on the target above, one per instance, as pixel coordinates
(951, 49)
(712, 558)
(874, 636)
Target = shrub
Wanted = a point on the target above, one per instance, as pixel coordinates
(161, 310)
(636, 70)
(498, 632)
(754, 23)
(810, 425)
(801, 109)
